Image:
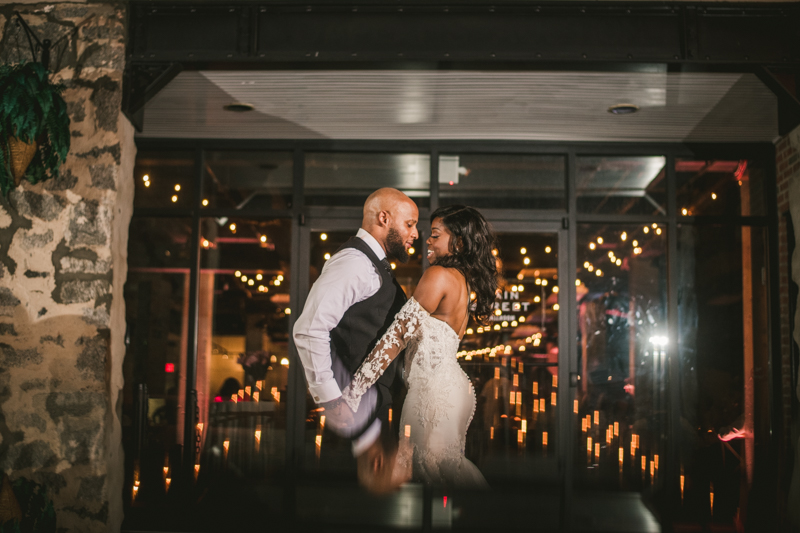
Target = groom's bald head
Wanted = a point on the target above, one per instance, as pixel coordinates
(391, 217)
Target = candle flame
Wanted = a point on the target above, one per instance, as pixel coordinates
(575, 406)
(491, 433)
(520, 435)
(544, 438)
(258, 436)
(322, 420)
(226, 445)
(552, 398)
(536, 387)
(256, 396)
(616, 429)
(524, 426)
(390, 416)
(597, 418)
(167, 482)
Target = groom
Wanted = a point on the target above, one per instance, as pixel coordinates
(349, 307)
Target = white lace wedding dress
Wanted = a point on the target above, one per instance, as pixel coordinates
(440, 402)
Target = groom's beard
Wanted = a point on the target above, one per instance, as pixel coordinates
(395, 246)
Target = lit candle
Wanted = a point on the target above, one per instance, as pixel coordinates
(258, 439)
(711, 494)
(196, 471)
(683, 479)
(225, 446)
(167, 482)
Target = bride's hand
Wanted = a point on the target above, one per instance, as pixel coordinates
(339, 416)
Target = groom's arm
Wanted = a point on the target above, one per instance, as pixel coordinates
(347, 278)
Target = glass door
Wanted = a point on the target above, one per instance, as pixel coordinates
(514, 361)
(326, 460)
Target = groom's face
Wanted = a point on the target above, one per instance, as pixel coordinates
(403, 231)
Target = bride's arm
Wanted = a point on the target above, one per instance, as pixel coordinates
(428, 294)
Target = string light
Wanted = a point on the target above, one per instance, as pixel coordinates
(623, 236)
(658, 231)
(547, 250)
(205, 202)
(259, 277)
(713, 196)
(263, 238)
(177, 188)
(635, 243)
(146, 183)
(526, 261)
(646, 229)
(174, 198)
(619, 262)
(411, 251)
(523, 251)
(684, 211)
(556, 307)
(323, 236)
(279, 277)
(599, 240)
(520, 288)
(233, 228)
(577, 283)
(146, 178)
(592, 246)
(238, 273)
(555, 289)
(244, 278)
(544, 283)
(327, 256)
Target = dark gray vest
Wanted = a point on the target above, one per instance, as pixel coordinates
(365, 322)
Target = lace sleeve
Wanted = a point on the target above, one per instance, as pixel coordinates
(392, 342)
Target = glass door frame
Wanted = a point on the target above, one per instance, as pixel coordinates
(567, 355)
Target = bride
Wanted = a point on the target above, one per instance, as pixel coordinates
(440, 401)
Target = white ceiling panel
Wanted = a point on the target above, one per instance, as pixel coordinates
(457, 105)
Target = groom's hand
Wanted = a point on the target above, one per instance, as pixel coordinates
(339, 416)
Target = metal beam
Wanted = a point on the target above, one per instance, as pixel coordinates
(766, 34)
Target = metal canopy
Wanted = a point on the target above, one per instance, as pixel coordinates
(167, 38)
(465, 105)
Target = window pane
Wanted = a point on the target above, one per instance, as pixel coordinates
(248, 180)
(733, 188)
(157, 313)
(163, 179)
(620, 408)
(503, 181)
(346, 179)
(242, 358)
(622, 185)
(723, 360)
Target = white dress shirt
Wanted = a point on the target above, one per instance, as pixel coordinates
(347, 278)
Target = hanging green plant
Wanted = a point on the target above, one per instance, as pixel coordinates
(34, 125)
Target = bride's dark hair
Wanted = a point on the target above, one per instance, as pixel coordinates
(471, 245)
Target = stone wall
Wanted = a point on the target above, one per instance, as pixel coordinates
(63, 256)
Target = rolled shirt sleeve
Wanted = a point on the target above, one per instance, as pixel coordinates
(347, 278)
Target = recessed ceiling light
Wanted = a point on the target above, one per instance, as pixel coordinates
(239, 107)
(623, 109)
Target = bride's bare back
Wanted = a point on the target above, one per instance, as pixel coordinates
(443, 293)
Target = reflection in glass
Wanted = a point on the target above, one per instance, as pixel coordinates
(733, 188)
(346, 179)
(723, 357)
(248, 180)
(157, 313)
(242, 356)
(513, 363)
(503, 181)
(622, 185)
(163, 179)
(619, 412)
